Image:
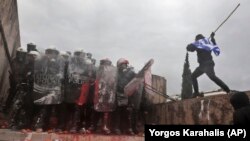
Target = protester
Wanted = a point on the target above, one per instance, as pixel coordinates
(204, 48)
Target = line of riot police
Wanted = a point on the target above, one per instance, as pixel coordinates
(71, 88)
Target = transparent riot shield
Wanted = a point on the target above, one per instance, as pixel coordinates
(134, 89)
(78, 76)
(106, 79)
(48, 74)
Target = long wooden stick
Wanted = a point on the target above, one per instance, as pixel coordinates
(227, 17)
(159, 93)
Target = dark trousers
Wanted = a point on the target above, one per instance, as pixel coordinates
(120, 116)
(208, 69)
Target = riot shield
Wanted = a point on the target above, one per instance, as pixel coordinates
(83, 94)
(149, 94)
(48, 74)
(78, 76)
(106, 79)
(86, 95)
(134, 89)
(135, 83)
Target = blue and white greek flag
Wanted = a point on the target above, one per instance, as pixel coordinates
(206, 44)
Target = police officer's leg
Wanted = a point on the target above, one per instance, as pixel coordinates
(134, 120)
(30, 112)
(83, 122)
(69, 112)
(116, 118)
(197, 72)
(211, 74)
(90, 113)
(40, 119)
(92, 121)
(47, 122)
(90, 106)
(76, 119)
(61, 116)
(14, 115)
(27, 111)
(106, 123)
(130, 118)
(10, 99)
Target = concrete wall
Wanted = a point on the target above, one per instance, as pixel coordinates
(199, 111)
(9, 18)
(159, 83)
(157, 90)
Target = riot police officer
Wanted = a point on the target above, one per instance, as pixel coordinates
(125, 75)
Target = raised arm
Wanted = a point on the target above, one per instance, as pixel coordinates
(212, 38)
(191, 48)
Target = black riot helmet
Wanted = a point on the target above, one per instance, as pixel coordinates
(105, 61)
(52, 50)
(21, 54)
(79, 53)
(93, 61)
(89, 55)
(31, 47)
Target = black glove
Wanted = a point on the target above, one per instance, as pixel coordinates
(212, 34)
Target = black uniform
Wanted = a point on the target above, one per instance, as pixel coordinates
(206, 65)
(123, 108)
(16, 77)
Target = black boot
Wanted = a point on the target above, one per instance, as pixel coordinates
(117, 121)
(93, 121)
(134, 121)
(106, 128)
(130, 129)
(13, 123)
(15, 115)
(23, 120)
(76, 119)
(61, 117)
(40, 120)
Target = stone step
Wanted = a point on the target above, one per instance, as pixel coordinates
(8, 135)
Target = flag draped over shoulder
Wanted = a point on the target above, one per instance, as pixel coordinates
(206, 44)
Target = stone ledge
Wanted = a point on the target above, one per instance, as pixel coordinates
(8, 135)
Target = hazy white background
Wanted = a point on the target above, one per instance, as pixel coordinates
(142, 29)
